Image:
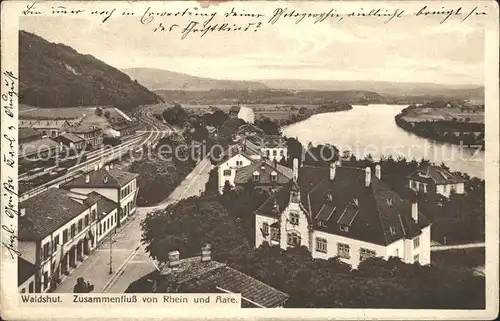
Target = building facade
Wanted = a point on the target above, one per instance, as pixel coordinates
(118, 186)
(48, 127)
(92, 135)
(436, 180)
(344, 212)
(272, 147)
(227, 167)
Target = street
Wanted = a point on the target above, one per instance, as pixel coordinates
(129, 260)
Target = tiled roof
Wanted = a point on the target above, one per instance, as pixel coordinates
(196, 276)
(71, 137)
(39, 145)
(25, 270)
(47, 212)
(104, 178)
(83, 129)
(25, 133)
(48, 123)
(104, 204)
(244, 174)
(233, 151)
(436, 174)
(376, 213)
(267, 141)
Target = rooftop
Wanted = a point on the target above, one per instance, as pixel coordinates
(38, 145)
(265, 168)
(373, 214)
(83, 129)
(43, 123)
(104, 204)
(72, 137)
(25, 133)
(103, 177)
(437, 175)
(195, 276)
(25, 270)
(46, 213)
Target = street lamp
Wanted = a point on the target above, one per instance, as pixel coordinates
(111, 253)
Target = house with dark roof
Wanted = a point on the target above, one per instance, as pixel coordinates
(27, 135)
(106, 216)
(49, 127)
(114, 184)
(93, 135)
(435, 179)
(345, 212)
(201, 274)
(264, 175)
(55, 233)
(71, 140)
(232, 159)
(25, 276)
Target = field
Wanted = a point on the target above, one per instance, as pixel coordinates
(70, 113)
(432, 114)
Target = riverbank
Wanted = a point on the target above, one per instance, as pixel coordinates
(449, 125)
(295, 115)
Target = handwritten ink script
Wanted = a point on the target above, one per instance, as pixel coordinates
(193, 21)
(9, 157)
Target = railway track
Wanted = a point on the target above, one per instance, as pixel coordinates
(153, 134)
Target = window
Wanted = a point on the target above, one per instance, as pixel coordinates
(275, 234)
(93, 214)
(416, 242)
(293, 239)
(87, 220)
(275, 152)
(366, 254)
(45, 280)
(256, 177)
(265, 228)
(100, 228)
(227, 172)
(415, 258)
(65, 236)
(425, 187)
(55, 243)
(31, 286)
(294, 197)
(294, 218)
(23, 290)
(282, 152)
(274, 177)
(343, 250)
(45, 251)
(268, 152)
(73, 230)
(239, 163)
(80, 225)
(321, 245)
(392, 229)
(344, 228)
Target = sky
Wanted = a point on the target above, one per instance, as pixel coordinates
(408, 49)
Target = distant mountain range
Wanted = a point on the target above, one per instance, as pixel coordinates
(159, 79)
(164, 80)
(55, 75)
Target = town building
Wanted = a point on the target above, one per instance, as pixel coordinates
(54, 234)
(40, 149)
(264, 175)
(93, 135)
(435, 179)
(233, 159)
(345, 212)
(71, 140)
(125, 128)
(49, 127)
(273, 147)
(26, 135)
(201, 274)
(116, 185)
(107, 215)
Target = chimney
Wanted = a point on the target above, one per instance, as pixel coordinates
(414, 211)
(378, 171)
(22, 211)
(87, 178)
(106, 167)
(275, 163)
(368, 176)
(333, 168)
(111, 166)
(105, 179)
(339, 162)
(173, 259)
(206, 253)
(96, 167)
(295, 169)
(100, 165)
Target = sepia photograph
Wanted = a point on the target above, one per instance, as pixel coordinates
(297, 155)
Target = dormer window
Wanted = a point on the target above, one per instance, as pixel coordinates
(294, 218)
(329, 197)
(392, 230)
(344, 228)
(389, 202)
(274, 176)
(256, 176)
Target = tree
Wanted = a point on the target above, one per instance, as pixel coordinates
(188, 225)
(107, 114)
(98, 111)
(268, 126)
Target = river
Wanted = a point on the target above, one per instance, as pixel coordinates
(372, 130)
